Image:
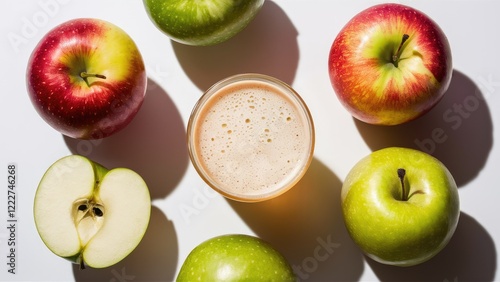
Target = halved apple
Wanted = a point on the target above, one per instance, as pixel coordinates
(89, 214)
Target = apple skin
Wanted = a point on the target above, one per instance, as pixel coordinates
(387, 228)
(62, 96)
(197, 24)
(366, 80)
(235, 257)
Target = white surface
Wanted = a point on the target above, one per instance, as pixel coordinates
(297, 35)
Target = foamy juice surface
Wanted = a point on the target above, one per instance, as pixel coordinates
(251, 139)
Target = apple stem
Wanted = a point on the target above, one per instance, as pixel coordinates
(82, 264)
(84, 75)
(401, 175)
(395, 57)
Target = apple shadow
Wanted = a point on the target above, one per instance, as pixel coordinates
(458, 130)
(153, 144)
(469, 256)
(154, 259)
(306, 225)
(268, 45)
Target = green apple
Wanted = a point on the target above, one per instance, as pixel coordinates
(400, 206)
(235, 257)
(202, 22)
(89, 214)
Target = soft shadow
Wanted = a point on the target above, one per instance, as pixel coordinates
(153, 144)
(306, 225)
(469, 256)
(154, 259)
(268, 45)
(458, 130)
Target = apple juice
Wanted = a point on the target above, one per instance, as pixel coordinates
(251, 137)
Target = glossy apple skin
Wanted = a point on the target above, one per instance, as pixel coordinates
(63, 98)
(235, 257)
(366, 81)
(388, 229)
(189, 23)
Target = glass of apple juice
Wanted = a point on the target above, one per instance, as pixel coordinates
(251, 137)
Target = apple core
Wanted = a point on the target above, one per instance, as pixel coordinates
(88, 217)
(251, 137)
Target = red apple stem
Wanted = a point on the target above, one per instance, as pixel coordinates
(85, 75)
(401, 175)
(395, 57)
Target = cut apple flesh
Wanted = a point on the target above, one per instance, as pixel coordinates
(127, 203)
(66, 181)
(90, 215)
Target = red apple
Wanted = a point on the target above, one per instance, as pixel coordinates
(86, 78)
(390, 64)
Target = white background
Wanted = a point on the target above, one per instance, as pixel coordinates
(289, 40)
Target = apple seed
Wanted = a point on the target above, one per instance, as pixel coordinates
(97, 211)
